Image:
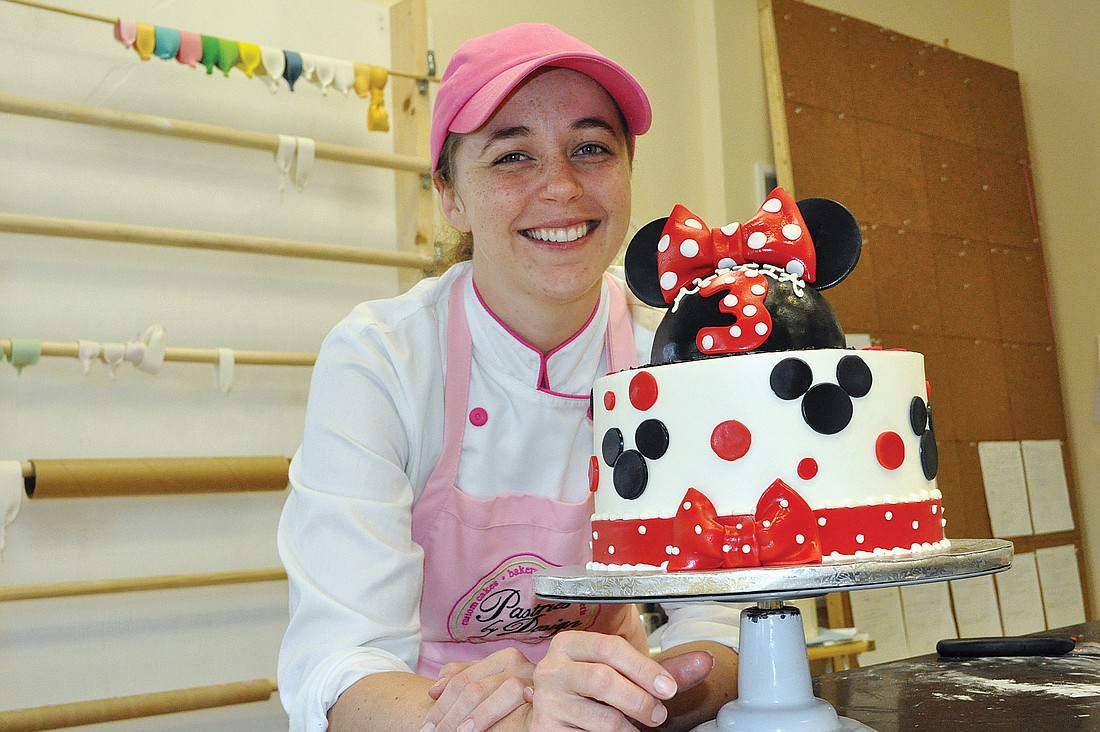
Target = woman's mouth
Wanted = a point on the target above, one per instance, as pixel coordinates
(561, 235)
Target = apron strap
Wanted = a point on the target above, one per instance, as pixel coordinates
(620, 347)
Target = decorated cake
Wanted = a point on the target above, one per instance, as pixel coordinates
(755, 437)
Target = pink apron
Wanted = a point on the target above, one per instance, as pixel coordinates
(480, 555)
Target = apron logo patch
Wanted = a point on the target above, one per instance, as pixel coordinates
(502, 606)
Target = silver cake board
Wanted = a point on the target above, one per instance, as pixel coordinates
(774, 688)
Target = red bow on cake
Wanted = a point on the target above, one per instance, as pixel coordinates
(776, 235)
(782, 531)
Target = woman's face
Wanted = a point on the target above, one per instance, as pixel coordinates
(544, 187)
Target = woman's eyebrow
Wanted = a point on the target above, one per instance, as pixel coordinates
(506, 133)
(594, 122)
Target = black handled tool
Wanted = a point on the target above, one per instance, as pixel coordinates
(994, 646)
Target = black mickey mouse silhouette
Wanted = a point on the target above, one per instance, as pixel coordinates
(745, 287)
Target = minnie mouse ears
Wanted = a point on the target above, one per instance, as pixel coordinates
(816, 239)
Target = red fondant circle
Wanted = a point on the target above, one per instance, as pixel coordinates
(593, 474)
(609, 400)
(643, 390)
(730, 440)
(890, 450)
(807, 468)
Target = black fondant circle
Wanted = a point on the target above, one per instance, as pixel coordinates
(918, 416)
(827, 409)
(651, 437)
(929, 455)
(630, 475)
(791, 378)
(854, 376)
(612, 445)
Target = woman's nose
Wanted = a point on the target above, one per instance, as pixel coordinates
(560, 181)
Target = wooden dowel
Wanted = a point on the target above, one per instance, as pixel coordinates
(95, 711)
(100, 477)
(107, 19)
(80, 588)
(66, 11)
(156, 236)
(167, 126)
(70, 349)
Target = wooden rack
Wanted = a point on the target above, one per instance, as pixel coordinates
(95, 711)
(80, 588)
(169, 127)
(64, 349)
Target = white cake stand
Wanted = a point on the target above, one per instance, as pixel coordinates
(774, 690)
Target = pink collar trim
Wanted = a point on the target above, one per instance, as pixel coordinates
(543, 383)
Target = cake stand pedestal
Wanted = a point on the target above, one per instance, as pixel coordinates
(774, 689)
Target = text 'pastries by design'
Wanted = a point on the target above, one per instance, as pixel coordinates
(755, 437)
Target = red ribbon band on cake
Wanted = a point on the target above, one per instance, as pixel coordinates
(784, 530)
(776, 235)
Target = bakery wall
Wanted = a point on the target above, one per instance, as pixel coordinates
(61, 289)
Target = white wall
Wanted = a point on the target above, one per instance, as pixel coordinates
(59, 289)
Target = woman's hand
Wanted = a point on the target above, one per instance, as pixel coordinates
(473, 696)
(597, 682)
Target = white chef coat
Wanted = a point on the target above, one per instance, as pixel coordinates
(373, 434)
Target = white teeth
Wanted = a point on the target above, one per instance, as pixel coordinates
(569, 234)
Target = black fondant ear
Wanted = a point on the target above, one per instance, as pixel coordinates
(836, 238)
(641, 264)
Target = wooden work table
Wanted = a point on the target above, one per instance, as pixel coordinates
(991, 694)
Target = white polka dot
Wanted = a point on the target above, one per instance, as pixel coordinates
(783, 503)
(675, 551)
(749, 311)
(726, 263)
(796, 268)
(693, 223)
(641, 529)
(799, 539)
(740, 526)
(758, 289)
(689, 248)
(662, 245)
(761, 328)
(610, 550)
(889, 515)
(698, 529)
(726, 548)
(915, 525)
(730, 229)
(757, 239)
(596, 535)
(772, 205)
(821, 521)
(729, 300)
(708, 342)
(746, 549)
(934, 507)
(859, 538)
(687, 505)
(943, 522)
(668, 549)
(766, 524)
(792, 231)
(668, 280)
(735, 331)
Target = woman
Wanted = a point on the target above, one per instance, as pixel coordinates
(447, 437)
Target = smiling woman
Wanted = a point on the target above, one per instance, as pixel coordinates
(448, 436)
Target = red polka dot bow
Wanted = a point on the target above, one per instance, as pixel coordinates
(782, 531)
(776, 235)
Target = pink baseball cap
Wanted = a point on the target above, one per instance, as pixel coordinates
(485, 70)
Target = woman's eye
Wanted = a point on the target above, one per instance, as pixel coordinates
(512, 157)
(591, 148)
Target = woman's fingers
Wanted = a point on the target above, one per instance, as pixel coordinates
(476, 695)
(595, 682)
(688, 668)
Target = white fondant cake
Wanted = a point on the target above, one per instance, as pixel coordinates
(764, 458)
